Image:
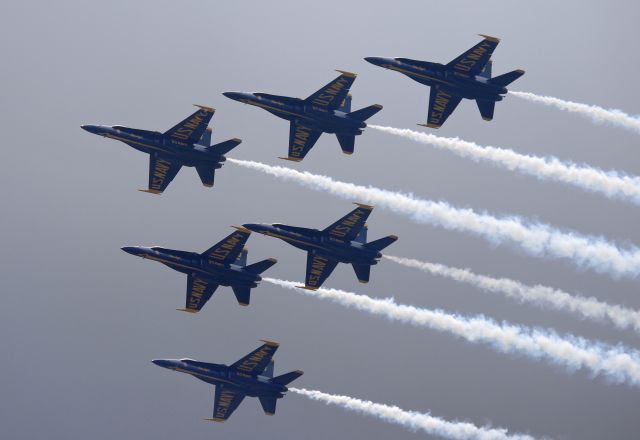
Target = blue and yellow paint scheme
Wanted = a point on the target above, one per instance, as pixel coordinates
(467, 76)
(250, 376)
(345, 241)
(224, 264)
(185, 144)
(326, 111)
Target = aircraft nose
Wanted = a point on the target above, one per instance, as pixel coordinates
(236, 96)
(133, 250)
(161, 363)
(95, 129)
(377, 60)
(256, 227)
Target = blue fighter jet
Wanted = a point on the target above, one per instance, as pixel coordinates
(186, 144)
(345, 241)
(468, 76)
(251, 376)
(225, 263)
(326, 111)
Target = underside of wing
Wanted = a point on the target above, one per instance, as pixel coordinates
(226, 402)
(332, 96)
(475, 59)
(301, 140)
(349, 226)
(162, 170)
(228, 250)
(319, 267)
(256, 361)
(199, 291)
(191, 130)
(441, 105)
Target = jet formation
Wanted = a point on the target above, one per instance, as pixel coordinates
(344, 241)
(185, 144)
(250, 376)
(467, 76)
(225, 263)
(326, 111)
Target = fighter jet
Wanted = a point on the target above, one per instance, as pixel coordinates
(186, 144)
(225, 263)
(345, 241)
(326, 111)
(468, 76)
(251, 376)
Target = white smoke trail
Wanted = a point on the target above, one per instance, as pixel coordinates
(617, 363)
(535, 238)
(543, 296)
(594, 112)
(411, 419)
(609, 183)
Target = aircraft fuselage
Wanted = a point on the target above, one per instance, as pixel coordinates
(192, 262)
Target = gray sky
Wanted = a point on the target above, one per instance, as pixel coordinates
(80, 319)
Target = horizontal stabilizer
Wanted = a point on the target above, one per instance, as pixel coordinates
(362, 271)
(382, 243)
(365, 113)
(261, 266)
(225, 147)
(486, 108)
(243, 294)
(347, 142)
(207, 175)
(287, 378)
(507, 78)
(268, 404)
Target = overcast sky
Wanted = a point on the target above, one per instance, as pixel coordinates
(80, 320)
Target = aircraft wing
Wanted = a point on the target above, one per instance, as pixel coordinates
(331, 96)
(349, 226)
(190, 130)
(199, 291)
(228, 250)
(319, 268)
(301, 140)
(256, 361)
(473, 61)
(226, 402)
(441, 105)
(162, 170)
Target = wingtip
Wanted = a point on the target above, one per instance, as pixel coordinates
(238, 140)
(273, 260)
(292, 159)
(270, 343)
(151, 191)
(187, 310)
(349, 74)
(313, 289)
(487, 119)
(215, 419)
(490, 38)
(204, 107)
(241, 229)
(362, 205)
(429, 125)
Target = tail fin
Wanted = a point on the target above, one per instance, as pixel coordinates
(206, 138)
(362, 235)
(287, 378)
(261, 266)
(507, 78)
(268, 372)
(242, 258)
(486, 108)
(347, 142)
(365, 113)
(346, 104)
(486, 71)
(382, 243)
(225, 147)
